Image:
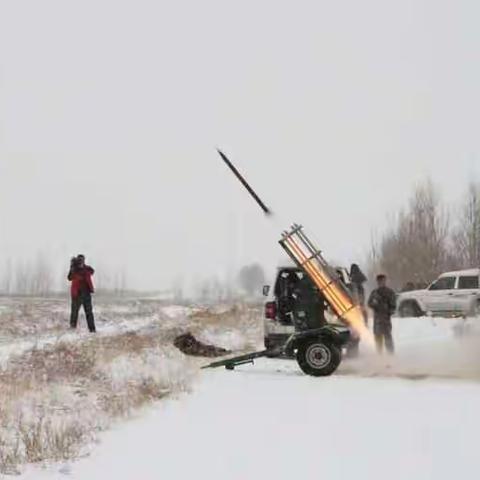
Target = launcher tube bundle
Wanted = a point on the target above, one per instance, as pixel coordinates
(306, 256)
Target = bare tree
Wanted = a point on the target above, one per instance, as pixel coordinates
(251, 278)
(41, 277)
(177, 290)
(22, 282)
(466, 237)
(120, 283)
(7, 278)
(204, 290)
(103, 279)
(415, 247)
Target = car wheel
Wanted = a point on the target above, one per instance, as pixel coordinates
(318, 358)
(410, 308)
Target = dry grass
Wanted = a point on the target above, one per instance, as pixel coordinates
(55, 399)
(24, 316)
(43, 439)
(232, 316)
(239, 327)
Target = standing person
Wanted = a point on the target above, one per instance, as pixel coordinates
(309, 305)
(383, 303)
(80, 275)
(358, 279)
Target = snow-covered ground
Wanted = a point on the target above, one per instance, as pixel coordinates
(414, 416)
(268, 424)
(39, 323)
(60, 388)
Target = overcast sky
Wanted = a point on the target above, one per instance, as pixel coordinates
(110, 113)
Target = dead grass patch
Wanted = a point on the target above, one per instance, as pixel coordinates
(36, 426)
(53, 400)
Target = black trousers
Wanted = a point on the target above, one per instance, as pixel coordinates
(85, 300)
(382, 330)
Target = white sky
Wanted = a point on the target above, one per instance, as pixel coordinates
(110, 112)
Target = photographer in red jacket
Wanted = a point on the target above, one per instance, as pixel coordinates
(80, 275)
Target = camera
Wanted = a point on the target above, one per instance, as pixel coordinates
(74, 263)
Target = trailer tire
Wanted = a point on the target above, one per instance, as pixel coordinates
(318, 358)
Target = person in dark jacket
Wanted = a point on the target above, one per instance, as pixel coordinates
(284, 292)
(358, 290)
(80, 276)
(309, 306)
(383, 303)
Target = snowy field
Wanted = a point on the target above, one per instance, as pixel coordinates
(61, 389)
(267, 423)
(412, 416)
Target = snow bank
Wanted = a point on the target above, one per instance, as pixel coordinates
(256, 423)
(272, 421)
(166, 367)
(425, 347)
(176, 311)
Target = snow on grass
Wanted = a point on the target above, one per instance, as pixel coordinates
(56, 397)
(238, 328)
(34, 323)
(59, 388)
(166, 368)
(176, 311)
(230, 339)
(267, 420)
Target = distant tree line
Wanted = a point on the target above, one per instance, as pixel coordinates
(247, 283)
(422, 240)
(39, 277)
(251, 279)
(428, 237)
(30, 277)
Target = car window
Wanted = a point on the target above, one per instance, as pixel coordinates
(470, 281)
(444, 283)
(286, 281)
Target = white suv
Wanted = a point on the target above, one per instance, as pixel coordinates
(452, 294)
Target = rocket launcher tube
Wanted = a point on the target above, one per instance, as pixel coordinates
(340, 298)
(325, 284)
(307, 257)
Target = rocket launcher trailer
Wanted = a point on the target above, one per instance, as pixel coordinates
(318, 351)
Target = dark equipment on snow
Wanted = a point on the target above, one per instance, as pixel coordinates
(317, 351)
(189, 345)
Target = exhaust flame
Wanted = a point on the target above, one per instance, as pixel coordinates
(336, 296)
(354, 318)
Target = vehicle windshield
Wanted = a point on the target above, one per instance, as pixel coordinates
(444, 283)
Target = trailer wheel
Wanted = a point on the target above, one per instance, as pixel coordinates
(318, 358)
